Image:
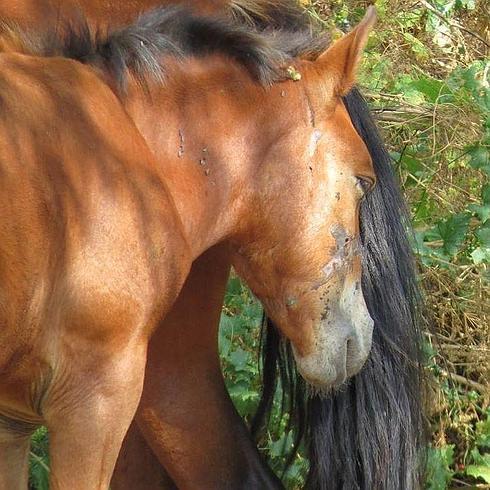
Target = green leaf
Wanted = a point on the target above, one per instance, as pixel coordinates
(438, 462)
(431, 88)
(418, 47)
(483, 234)
(413, 166)
(39, 460)
(234, 286)
(277, 448)
(224, 340)
(239, 359)
(483, 212)
(483, 434)
(444, 6)
(485, 194)
(476, 458)
(244, 398)
(480, 255)
(425, 209)
(453, 232)
(482, 472)
(467, 4)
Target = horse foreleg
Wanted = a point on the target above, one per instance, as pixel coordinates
(185, 414)
(88, 415)
(191, 326)
(137, 466)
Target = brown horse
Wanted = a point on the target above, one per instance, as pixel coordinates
(291, 289)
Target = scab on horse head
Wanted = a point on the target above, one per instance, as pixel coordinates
(304, 264)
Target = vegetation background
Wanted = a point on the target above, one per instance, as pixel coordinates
(426, 76)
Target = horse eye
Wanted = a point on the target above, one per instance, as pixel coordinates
(365, 184)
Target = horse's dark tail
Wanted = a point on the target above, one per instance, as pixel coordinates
(372, 433)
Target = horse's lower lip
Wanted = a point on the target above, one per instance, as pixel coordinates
(323, 384)
(322, 389)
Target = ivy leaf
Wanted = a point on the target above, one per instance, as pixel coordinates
(453, 232)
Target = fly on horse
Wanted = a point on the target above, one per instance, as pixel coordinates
(300, 252)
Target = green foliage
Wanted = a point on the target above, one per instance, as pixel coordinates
(450, 228)
(439, 473)
(39, 460)
(239, 345)
(480, 471)
(449, 237)
(479, 466)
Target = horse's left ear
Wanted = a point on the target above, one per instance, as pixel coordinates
(341, 60)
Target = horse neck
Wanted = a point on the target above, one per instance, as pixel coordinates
(202, 141)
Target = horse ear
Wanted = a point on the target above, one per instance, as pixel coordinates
(341, 60)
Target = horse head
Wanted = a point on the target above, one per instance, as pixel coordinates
(302, 254)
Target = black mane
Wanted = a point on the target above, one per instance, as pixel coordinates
(175, 31)
(271, 14)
